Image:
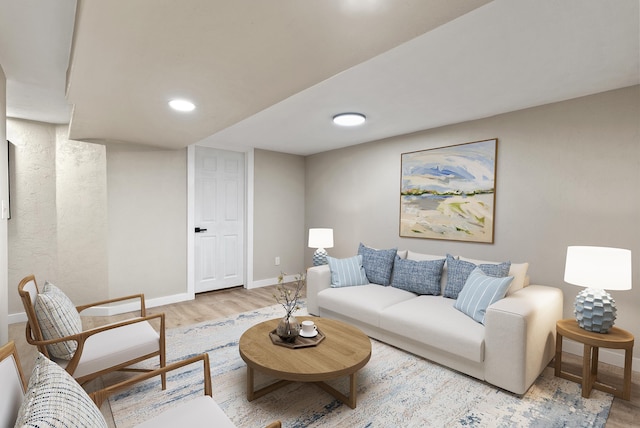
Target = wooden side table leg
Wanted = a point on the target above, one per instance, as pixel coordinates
(594, 361)
(558, 366)
(586, 371)
(626, 388)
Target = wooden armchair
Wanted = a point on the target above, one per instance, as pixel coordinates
(198, 412)
(54, 327)
(55, 398)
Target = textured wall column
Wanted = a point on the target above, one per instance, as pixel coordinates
(81, 207)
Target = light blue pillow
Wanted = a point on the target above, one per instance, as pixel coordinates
(479, 292)
(420, 277)
(378, 264)
(347, 272)
(458, 271)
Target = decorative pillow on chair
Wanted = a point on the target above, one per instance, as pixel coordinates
(347, 272)
(55, 399)
(479, 292)
(378, 264)
(420, 277)
(57, 317)
(458, 271)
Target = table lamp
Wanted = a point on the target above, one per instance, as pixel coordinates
(599, 269)
(320, 238)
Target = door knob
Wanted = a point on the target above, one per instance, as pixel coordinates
(198, 230)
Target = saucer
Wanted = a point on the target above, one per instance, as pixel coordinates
(314, 334)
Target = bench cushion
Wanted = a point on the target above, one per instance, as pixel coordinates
(433, 321)
(363, 302)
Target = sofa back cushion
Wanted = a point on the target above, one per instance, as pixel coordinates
(459, 271)
(420, 277)
(517, 270)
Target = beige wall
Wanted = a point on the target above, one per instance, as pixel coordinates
(279, 214)
(4, 291)
(567, 174)
(147, 206)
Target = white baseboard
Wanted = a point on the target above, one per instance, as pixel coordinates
(270, 281)
(105, 311)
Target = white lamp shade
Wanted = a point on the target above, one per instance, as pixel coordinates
(598, 267)
(320, 238)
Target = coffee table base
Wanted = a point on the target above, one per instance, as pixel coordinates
(252, 393)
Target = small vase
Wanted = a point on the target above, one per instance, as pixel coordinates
(288, 329)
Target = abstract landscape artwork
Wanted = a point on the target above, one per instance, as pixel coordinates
(449, 192)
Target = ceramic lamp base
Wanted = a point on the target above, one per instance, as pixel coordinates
(320, 257)
(595, 310)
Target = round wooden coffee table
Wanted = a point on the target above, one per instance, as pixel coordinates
(343, 352)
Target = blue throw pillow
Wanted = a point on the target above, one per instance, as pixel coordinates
(420, 277)
(458, 271)
(479, 292)
(347, 272)
(378, 264)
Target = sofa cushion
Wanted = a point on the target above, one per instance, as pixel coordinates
(479, 292)
(378, 264)
(517, 270)
(363, 303)
(57, 317)
(420, 277)
(433, 321)
(347, 272)
(458, 271)
(55, 399)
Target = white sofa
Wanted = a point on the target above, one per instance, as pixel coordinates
(510, 350)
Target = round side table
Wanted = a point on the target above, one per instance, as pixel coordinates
(616, 338)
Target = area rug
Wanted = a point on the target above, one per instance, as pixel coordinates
(394, 389)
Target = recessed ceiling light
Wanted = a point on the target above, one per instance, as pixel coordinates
(349, 119)
(182, 105)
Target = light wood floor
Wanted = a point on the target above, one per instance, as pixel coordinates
(224, 303)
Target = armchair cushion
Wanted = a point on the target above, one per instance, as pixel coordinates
(58, 318)
(54, 399)
(198, 412)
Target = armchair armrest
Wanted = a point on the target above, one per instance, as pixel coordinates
(318, 279)
(143, 309)
(520, 336)
(99, 396)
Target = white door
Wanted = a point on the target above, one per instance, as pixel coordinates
(219, 219)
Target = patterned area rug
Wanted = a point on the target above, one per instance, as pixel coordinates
(394, 389)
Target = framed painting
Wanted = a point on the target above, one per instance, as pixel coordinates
(449, 192)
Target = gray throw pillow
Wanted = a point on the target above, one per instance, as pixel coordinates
(420, 277)
(459, 270)
(378, 264)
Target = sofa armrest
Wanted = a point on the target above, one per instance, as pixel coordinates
(520, 336)
(318, 279)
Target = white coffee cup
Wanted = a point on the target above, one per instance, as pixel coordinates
(308, 328)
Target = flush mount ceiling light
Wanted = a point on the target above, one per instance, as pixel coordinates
(182, 105)
(349, 119)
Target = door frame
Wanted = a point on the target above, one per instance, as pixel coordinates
(247, 261)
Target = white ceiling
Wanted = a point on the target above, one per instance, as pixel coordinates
(272, 74)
